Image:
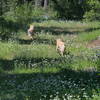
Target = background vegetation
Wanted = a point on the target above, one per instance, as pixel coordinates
(32, 69)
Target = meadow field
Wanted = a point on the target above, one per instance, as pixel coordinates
(34, 70)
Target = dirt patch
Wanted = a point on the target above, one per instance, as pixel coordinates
(94, 43)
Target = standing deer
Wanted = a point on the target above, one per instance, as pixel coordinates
(60, 46)
(31, 31)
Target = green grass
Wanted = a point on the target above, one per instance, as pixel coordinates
(43, 45)
(14, 50)
(88, 37)
(19, 70)
(33, 69)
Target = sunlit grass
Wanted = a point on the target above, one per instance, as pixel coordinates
(14, 50)
(34, 69)
(43, 45)
(88, 36)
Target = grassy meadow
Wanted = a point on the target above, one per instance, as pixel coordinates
(34, 70)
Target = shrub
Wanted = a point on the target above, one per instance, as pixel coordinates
(92, 10)
(5, 30)
(21, 14)
(1, 70)
(40, 14)
(69, 9)
(15, 19)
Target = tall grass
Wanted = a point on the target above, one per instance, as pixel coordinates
(88, 36)
(33, 68)
(43, 45)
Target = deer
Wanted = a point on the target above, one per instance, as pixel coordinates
(60, 46)
(31, 31)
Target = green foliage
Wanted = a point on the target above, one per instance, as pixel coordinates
(69, 9)
(1, 70)
(92, 10)
(21, 14)
(5, 28)
(39, 14)
(17, 17)
(35, 70)
(64, 85)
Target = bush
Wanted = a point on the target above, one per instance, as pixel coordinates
(92, 10)
(40, 14)
(13, 20)
(20, 17)
(21, 14)
(5, 30)
(1, 71)
(69, 9)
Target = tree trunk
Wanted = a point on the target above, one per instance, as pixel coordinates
(45, 4)
(37, 3)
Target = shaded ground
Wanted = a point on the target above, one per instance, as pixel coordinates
(72, 84)
(94, 43)
(64, 30)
